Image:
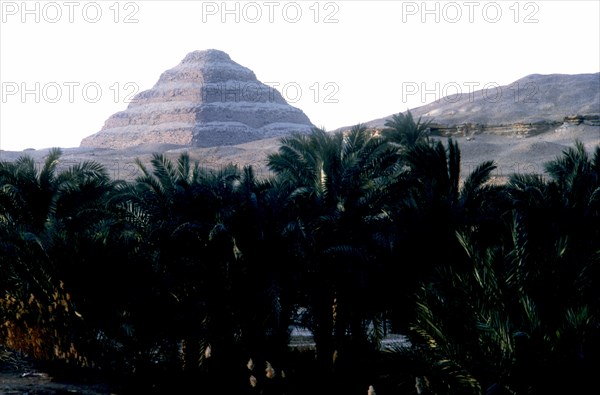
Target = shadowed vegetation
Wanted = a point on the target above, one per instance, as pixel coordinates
(193, 277)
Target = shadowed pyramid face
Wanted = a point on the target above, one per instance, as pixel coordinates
(206, 100)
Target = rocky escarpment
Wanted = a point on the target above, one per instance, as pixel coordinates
(529, 106)
(207, 100)
(519, 128)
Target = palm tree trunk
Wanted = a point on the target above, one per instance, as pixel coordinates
(190, 347)
(323, 333)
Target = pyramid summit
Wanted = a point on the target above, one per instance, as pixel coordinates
(206, 100)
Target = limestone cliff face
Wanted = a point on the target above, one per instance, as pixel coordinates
(207, 100)
(529, 106)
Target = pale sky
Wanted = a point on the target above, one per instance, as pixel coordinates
(66, 66)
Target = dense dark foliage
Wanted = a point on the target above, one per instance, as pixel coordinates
(191, 274)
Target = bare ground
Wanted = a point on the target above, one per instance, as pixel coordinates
(512, 153)
(20, 376)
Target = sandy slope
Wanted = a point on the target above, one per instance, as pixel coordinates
(511, 153)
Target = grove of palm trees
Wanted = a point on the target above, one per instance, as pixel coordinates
(188, 280)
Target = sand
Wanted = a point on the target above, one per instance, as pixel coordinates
(511, 153)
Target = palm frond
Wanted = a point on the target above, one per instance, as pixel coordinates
(50, 164)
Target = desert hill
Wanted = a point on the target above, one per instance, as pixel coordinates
(534, 99)
(519, 136)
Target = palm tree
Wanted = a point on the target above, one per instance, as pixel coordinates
(28, 196)
(565, 207)
(43, 213)
(166, 204)
(577, 178)
(36, 200)
(431, 203)
(333, 196)
(522, 317)
(491, 329)
(214, 287)
(402, 130)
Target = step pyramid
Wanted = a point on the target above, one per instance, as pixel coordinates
(207, 100)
